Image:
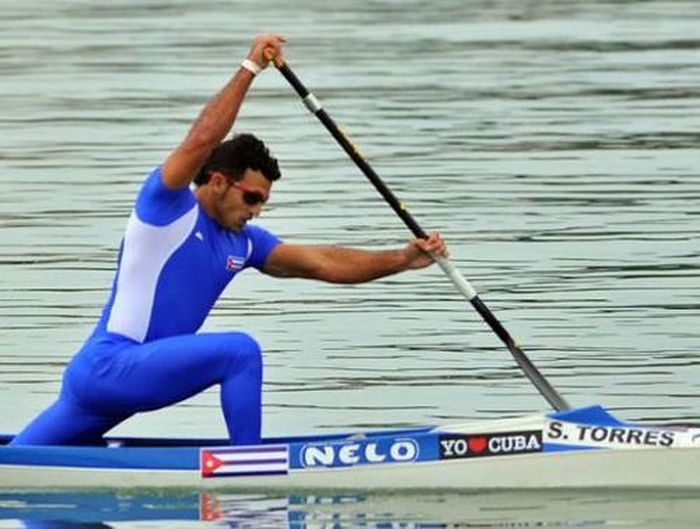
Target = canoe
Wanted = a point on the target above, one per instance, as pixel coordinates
(580, 448)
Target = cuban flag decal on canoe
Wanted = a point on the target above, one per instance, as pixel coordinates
(244, 461)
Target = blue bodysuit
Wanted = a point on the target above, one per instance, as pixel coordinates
(144, 353)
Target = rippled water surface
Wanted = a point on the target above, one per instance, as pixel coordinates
(554, 143)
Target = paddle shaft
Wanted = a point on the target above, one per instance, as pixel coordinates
(546, 390)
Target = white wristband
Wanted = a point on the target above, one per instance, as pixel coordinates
(252, 66)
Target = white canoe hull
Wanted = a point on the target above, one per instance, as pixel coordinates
(547, 452)
(628, 469)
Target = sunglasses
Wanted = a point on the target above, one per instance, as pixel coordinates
(252, 197)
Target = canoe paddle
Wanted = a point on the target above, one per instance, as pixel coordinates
(543, 386)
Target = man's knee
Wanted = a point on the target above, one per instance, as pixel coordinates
(246, 352)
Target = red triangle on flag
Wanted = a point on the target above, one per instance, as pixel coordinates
(209, 463)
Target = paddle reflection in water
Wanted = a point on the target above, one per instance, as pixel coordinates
(309, 511)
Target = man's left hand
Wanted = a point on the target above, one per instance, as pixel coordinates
(418, 250)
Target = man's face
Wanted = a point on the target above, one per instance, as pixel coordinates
(240, 201)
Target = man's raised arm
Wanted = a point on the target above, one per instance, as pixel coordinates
(217, 118)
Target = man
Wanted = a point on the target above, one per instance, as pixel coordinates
(180, 250)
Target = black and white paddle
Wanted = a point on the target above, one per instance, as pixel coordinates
(315, 107)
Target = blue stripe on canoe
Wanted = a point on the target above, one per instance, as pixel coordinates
(560, 447)
(190, 442)
(592, 415)
(94, 457)
(151, 456)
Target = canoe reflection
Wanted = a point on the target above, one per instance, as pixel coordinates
(54, 510)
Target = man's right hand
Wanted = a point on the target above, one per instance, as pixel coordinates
(216, 119)
(261, 43)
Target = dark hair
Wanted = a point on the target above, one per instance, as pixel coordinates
(232, 157)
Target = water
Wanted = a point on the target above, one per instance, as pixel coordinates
(554, 143)
(387, 511)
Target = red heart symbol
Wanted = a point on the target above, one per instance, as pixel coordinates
(477, 444)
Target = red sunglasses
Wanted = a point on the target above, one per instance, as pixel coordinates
(252, 197)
